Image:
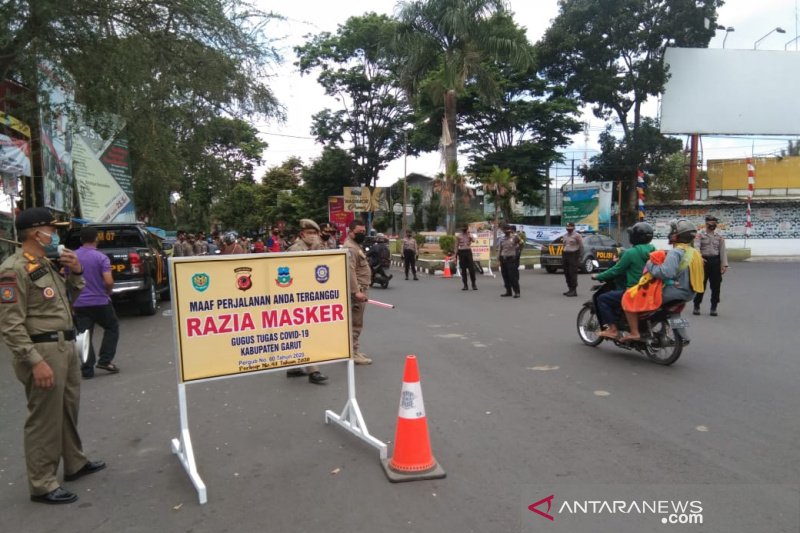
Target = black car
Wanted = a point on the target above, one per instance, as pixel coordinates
(596, 247)
(138, 262)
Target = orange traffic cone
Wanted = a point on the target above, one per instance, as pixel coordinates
(447, 273)
(412, 459)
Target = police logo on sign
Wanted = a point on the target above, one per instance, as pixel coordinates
(322, 273)
(243, 280)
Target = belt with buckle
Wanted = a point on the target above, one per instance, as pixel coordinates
(52, 336)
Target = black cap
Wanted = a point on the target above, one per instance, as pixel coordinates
(36, 217)
(711, 218)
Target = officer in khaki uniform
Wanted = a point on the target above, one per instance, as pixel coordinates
(715, 258)
(360, 278)
(308, 239)
(39, 330)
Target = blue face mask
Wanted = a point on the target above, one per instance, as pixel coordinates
(52, 248)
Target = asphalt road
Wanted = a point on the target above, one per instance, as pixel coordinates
(514, 401)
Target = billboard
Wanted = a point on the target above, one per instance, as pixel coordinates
(56, 139)
(103, 175)
(587, 204)
(15, 156)
(238, 314)
(339, 216)
(731, 92)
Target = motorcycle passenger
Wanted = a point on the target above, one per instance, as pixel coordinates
(681, 271)
(380, 258)
(626, 272)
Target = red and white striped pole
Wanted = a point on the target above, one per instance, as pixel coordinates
(751, 181)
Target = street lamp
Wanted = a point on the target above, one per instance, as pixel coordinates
(786, 46)
(728, 30)
(778, 29)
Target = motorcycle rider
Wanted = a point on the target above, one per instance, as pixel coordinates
(681, 271)
(379, 258)
(626, 272)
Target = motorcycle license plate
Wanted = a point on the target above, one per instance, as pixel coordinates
(676, 323)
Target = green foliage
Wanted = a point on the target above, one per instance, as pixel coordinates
(419, 214)
(448, 244)
(499, 186)
(326, 176)
(610, 54)
(420, 240)
(434, 212)
(443, 44)
(166, 67)
(646, 148)
(670, 183)
(357, 68)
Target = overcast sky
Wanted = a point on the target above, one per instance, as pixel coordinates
(302, 96)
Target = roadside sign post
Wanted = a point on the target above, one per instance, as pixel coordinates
(259, 313)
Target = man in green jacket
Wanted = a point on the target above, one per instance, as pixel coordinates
(630, 265)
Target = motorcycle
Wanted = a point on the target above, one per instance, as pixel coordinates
(663, 331)
(379, 274)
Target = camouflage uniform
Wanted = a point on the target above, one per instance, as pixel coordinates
(35, 308)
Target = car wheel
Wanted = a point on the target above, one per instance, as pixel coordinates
(148, 305)
(550, 269)
(588, 265)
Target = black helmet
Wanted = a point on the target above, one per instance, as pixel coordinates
(640, 233)
(681, 230)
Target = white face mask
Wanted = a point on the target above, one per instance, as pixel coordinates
(310, 238)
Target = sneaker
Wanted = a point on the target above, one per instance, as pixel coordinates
(713, 312)
(505, 295)
(516, 295)
(361, 359)
(696, 311)
(570, 293)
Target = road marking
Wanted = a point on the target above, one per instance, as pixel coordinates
(543, 368)
(452, 336)
(702, 429)
(602, 393)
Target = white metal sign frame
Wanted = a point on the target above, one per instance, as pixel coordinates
(351, 419)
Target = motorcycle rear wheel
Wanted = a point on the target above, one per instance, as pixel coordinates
(666, 344)
(588, 327)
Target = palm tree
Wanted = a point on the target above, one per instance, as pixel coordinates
(500, 186)
(444, 43)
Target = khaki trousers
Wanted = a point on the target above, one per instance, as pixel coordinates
(51, 429)
(358, 321)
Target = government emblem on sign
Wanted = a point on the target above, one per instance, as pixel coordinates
(200, 281)
(322, 273)
(284, 278)
(243, 280)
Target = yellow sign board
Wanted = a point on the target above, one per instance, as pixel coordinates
(360, 199)
(237, 314)
(482, 246)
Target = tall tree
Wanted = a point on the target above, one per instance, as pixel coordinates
(324, 177)
(445, 43)
(499, 186)
(522, 133)
(610, 53)
(165, 66)
(357, 68)
(646, 149)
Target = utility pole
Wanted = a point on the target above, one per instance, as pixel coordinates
(693, 167)
(405, 181)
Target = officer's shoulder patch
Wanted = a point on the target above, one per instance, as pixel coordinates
(8, 292)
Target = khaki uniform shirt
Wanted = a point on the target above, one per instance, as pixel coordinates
(187, 250)
(712, 245)
(410, 243)
(34, 299)
(573, 242)
(463, 240)
(200, 248)
(360, 271)
(508, 247)
(301, 246)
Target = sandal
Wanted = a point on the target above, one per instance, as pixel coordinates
(628, 338)
(110, 367)
(606, 334)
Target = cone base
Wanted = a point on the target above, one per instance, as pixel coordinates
(437, 472)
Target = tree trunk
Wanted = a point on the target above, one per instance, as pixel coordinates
(451, 157)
